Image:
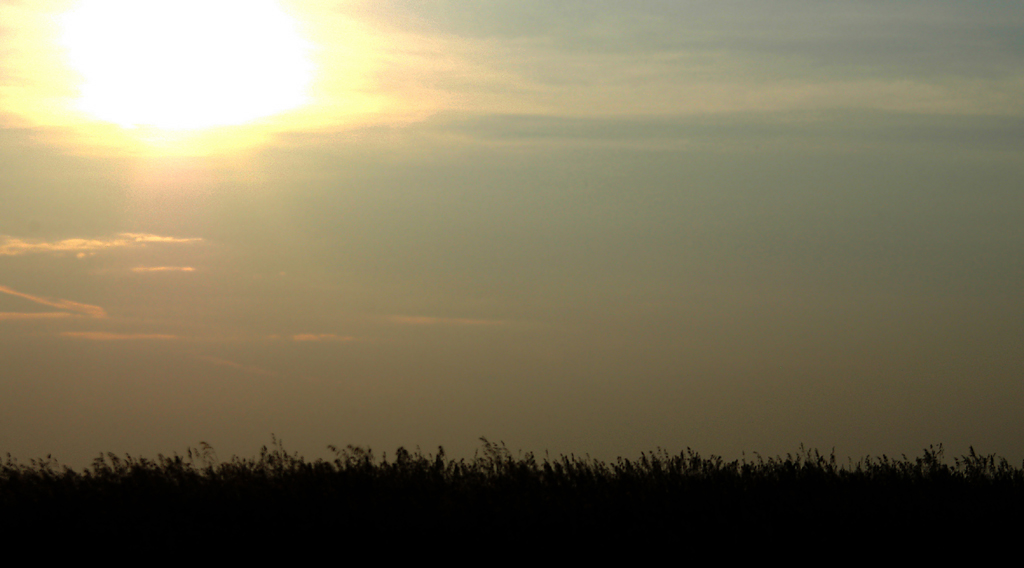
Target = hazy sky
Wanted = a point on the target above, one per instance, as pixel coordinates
(578, 226)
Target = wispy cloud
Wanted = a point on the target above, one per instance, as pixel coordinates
(68, 305)
(148, 238)
(425, 320)
(322, 337)
(105, 336)
(11, 246)
(163, 269)
(33, 316)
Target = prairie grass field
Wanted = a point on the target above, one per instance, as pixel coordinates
(423, 497)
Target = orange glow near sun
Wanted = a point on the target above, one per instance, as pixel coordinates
(155, 78)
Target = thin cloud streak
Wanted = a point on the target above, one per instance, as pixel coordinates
(10, 246)
(322, 337)
(149, 238)
(424, 320)
(85, 309)
(105, 336)
(163, 269)
(33, 316)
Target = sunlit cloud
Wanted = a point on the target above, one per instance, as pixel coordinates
(105, 336)
(425, 320)
(68, 305)
(148, 238)
(33, 316)
(322, 337)
(11, 246)
(163, 269)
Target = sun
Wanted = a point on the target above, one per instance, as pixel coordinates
(186, 64)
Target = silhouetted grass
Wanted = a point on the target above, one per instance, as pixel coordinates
(412, 496)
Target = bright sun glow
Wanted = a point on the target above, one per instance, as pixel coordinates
(186, 64)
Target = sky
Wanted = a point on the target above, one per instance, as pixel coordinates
(591, 227)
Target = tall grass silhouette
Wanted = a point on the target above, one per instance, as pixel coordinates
(422, 496)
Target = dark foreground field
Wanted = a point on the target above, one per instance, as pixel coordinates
(404, 498)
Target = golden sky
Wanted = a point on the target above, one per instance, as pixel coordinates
(576, 226)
